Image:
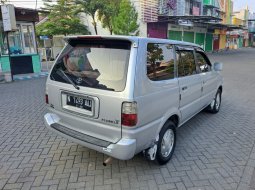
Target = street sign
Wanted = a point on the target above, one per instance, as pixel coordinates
(44, 37)
(9, 19)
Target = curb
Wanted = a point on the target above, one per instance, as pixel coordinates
(30, 76)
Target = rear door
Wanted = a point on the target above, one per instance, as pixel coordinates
(189, 82)
(87, 86)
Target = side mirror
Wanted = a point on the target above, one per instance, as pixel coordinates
(217, 66)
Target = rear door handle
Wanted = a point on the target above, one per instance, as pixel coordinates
(184, 88)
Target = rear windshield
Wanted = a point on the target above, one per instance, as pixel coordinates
(100, 64)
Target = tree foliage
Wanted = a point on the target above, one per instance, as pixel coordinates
(125, 22)
(62, 19)
(90, 7)
(118, 16)
(154, 53)
(108, 12)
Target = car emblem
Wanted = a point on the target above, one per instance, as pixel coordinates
(79, 80)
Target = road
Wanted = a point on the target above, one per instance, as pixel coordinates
(212, 152)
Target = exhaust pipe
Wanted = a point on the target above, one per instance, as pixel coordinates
(107, 161)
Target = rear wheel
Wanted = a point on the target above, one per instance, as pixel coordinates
(214, 107)
(166, 143)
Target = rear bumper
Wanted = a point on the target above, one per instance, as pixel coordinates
(124, 149)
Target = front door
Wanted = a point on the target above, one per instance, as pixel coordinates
(189, 83)
(209, 79)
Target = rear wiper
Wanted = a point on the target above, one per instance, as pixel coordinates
(69, 79)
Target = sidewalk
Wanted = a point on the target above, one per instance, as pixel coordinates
(46, 65)
(45, 68)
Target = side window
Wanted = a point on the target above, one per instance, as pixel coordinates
(160, 61)
(203, 62)
(186, 63)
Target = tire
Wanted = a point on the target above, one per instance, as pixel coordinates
(164, 153)
(214, 107)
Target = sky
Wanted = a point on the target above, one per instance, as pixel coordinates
(238, 4)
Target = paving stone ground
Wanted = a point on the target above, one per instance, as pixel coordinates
(212, 152)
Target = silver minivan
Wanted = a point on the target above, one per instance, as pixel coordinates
(123, 95)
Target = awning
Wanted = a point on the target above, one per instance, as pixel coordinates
(200, 19)
(216, 25)
(25, 14)
(234, 27)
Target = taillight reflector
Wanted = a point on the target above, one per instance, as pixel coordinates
(129, 119)
(129, 114)
(46, 99)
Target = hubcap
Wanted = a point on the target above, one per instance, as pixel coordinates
(167, 143)
(217, 101)
(212, 103)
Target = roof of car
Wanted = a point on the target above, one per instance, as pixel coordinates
(131, 38)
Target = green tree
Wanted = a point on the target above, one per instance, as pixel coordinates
(108, 12)
(62, 19)
(125, 23)
(90, 7)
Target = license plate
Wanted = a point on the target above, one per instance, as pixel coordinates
(79, 102)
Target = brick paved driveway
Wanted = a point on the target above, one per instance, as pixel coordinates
(213, 151)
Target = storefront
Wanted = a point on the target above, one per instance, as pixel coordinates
(208, 42)
(251, 39)
(234, 41)
(24, 57)
(219, 39)
(223, 39)
(157, 30)
(187, 34)
(246, 39)
(216, 42)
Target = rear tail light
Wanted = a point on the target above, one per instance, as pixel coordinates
(46, 99)
(129, 114)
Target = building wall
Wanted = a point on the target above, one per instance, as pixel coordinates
(222, 41)
(237, 22)
(147, 12)
(5, 63)
(251, 24)
(149, 26)
(227, 8)
(157, 30)
(241, 15)
(211, 2)
(230, 12)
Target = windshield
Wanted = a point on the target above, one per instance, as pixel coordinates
(98, 64)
